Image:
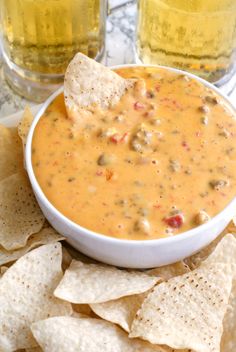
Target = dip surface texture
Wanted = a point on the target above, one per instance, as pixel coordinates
(160, 162)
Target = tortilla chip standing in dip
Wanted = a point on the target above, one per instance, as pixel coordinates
(121, 154)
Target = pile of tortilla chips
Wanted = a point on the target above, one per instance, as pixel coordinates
(54, 299)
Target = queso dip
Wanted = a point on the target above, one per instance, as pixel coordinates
(160, 162)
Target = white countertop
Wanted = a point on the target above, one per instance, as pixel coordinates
(119, 50)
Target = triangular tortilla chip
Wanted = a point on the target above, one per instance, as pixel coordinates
(45, 236)
(88, 83)
(187, 311)
(86, 335)
(20, 215)
(26, 296)
(96, 283)
(121, 311)
(195, 260)
(11, 153)
(224, 252)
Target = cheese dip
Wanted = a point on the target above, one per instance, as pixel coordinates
(160, 162)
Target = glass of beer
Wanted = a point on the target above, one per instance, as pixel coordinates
(194, 35)
(40, 37)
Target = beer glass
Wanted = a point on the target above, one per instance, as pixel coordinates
(40, 37)
(195, 35)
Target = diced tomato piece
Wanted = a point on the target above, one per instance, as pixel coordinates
(175, 221)
(118, 138)
(138, 106)
(115, 138)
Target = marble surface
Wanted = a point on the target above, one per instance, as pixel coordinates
(119, 50)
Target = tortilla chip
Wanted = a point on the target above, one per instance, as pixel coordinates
(195, 260)
(86, 335)
(96, 283)
(26, 295)
(122, 311)
(11, 153)
(24, 124)
(88, 83)
(20, 215)
(224, 252)
(187, 311)
(45, 236)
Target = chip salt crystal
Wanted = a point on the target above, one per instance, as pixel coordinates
(26, 296)
(20, 215)
(96, 283)
(88, 83)
(187, 311)
(86, 335)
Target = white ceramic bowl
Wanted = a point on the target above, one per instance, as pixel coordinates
(127, 253)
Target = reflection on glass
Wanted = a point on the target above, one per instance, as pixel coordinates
(195, 35)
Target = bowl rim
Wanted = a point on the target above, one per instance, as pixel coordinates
(99, 236)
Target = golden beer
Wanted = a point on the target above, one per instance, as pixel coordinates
(195, 35)
(40, 37)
